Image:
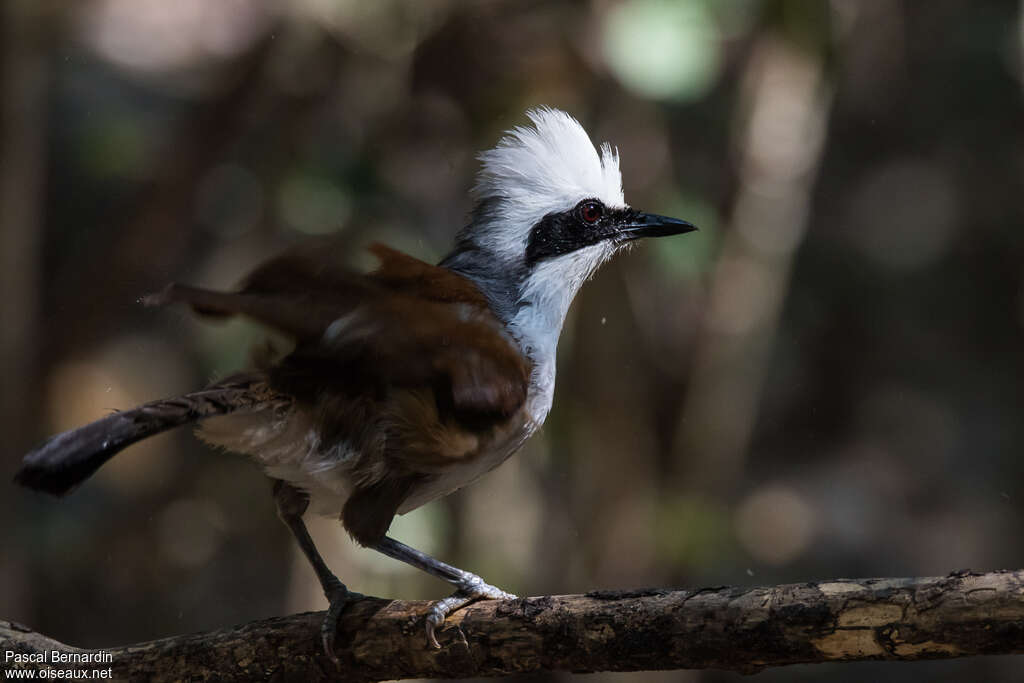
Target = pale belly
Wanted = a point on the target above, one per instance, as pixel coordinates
(288, 447)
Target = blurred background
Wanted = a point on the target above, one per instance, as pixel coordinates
(825, 381)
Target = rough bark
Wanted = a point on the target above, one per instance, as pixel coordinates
(741, 629)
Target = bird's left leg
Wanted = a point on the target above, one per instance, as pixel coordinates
(291, 505)
(469, 587)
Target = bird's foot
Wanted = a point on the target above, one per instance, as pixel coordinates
(470, 590)
(338, 595)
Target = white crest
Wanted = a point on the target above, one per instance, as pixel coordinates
(540, 170)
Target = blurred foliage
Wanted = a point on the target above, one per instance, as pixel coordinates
(824, 381)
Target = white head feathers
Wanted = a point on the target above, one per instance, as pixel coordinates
(531, 173)
(544, 169)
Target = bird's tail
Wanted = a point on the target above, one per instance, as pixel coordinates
(65, 460)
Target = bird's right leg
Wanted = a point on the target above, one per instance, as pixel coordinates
(291, 505)
(469, 587)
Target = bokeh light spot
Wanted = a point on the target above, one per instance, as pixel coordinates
(313, 205)
(662, 49)
(905, 215)
(775, 524)
(190, 531)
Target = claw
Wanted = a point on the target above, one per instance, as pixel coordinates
(440, 610)
(327, 637)
(338, 597)
(469, 586)
(433, 621)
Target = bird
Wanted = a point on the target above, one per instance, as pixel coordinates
(406, 383)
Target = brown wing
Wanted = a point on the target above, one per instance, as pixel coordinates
(412, 349)
(402, 273)
(408, 325)
(298, 293)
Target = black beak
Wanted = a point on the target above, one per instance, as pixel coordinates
(652, 225)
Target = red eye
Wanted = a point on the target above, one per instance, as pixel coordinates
(591, 212)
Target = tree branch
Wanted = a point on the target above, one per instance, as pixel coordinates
(742, 629)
